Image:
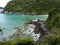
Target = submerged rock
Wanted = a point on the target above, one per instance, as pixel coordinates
(3, 28)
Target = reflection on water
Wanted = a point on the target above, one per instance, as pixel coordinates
(10, 21)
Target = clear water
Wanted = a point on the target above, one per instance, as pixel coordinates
(10, 21)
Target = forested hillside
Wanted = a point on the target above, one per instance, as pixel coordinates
(53, 20)
(33, 6)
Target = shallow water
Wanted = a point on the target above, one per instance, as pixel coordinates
(10, 21)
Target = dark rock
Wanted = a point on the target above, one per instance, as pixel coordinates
(3, 28)
(40, 27)
(0, 30)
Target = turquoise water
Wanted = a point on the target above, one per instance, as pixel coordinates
(10, 21)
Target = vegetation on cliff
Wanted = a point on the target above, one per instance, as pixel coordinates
(53, 20)
(32, 6)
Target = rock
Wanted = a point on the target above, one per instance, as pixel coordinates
(3, 28)
(35, 28)
(39, 27)
(0, 30)
(35, 20)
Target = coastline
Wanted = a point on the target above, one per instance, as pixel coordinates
(34, 28)
(31, 29)
(18, 13)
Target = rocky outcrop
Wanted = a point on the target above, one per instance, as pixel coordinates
(40, 27)
(35, 29)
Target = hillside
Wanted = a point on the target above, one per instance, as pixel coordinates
(53, 20)
(53, 27)
(32, 6)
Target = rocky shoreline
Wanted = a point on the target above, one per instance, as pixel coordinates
(18, 13)
(34, 28)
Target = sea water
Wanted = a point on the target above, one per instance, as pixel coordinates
(10, 21)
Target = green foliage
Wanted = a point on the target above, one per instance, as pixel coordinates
(53, 26)
(25, 41)
(33, 6)
(53, 20)
(51, 39)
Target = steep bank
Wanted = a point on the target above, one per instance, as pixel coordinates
(53, 20)
(53, 27)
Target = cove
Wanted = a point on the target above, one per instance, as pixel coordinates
(10, 21)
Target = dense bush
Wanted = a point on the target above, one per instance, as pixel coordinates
(53, 20)
(25, 41)
(32, 6)
(51, 39)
